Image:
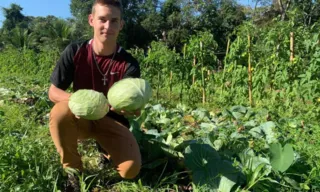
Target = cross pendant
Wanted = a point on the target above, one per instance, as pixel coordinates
(104, 79)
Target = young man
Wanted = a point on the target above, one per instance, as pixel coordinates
(94, 64)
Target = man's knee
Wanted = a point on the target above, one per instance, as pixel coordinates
(129, 169)
(60, 113)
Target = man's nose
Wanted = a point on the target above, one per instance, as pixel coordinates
(107, 24)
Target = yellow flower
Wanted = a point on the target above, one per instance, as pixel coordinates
(319, 99)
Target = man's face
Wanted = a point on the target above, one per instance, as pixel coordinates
(106, 22)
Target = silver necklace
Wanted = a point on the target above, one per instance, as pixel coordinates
(104, 79)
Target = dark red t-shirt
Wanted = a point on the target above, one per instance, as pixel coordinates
(77, 66)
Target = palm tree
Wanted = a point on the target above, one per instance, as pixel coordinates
(59, 34)
(19, 38)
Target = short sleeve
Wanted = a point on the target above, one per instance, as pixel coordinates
(133, 69)
(62, 75)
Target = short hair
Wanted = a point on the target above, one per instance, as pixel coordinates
(115, 3)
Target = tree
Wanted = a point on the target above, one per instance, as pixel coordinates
(303, 12)
(221, 18)
(20, 38)
(151, 20)
(14, 17)
(308, 10)
(153, 23)
(174, 31)
(80, 9)
(58, 34)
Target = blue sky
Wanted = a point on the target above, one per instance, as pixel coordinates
(58, 8)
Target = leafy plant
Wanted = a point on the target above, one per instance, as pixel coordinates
(281, 158)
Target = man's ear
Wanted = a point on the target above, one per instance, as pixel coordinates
(90, 20)
(121, 24)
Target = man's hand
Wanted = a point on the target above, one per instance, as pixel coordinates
(136, 113)
(56, 94)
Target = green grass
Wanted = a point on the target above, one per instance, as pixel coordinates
(29, 161)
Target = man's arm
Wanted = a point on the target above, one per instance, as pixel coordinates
(57, 95)
(62, 76)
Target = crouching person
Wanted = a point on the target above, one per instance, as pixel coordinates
(95, 64)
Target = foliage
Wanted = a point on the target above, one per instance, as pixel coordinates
(14, 17)
(199, 117)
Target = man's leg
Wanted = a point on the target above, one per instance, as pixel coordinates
(120, 144)
(65, 131)
(104, 158)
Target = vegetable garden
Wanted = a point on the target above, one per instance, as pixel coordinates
(249, 122)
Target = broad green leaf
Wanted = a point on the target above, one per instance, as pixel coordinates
(212, 136)
(236, 135)
(207, 166)
(256, 132)
(265, 129)
(250, 113)
(251, 123)
(268, 129)
(214, 140)
(203, 161)
(237, 115)
(229, 175)
(281, 158)
(158, 108)
(153, 132)
(251, 161)
(238, 112)
(226, 184)
(218, 144)
(201, 115)
(238, 108)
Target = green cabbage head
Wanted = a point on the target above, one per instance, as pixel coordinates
(129, 94)
(88, 104)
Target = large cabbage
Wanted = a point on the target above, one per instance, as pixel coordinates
(88, 104)
(129, 94)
